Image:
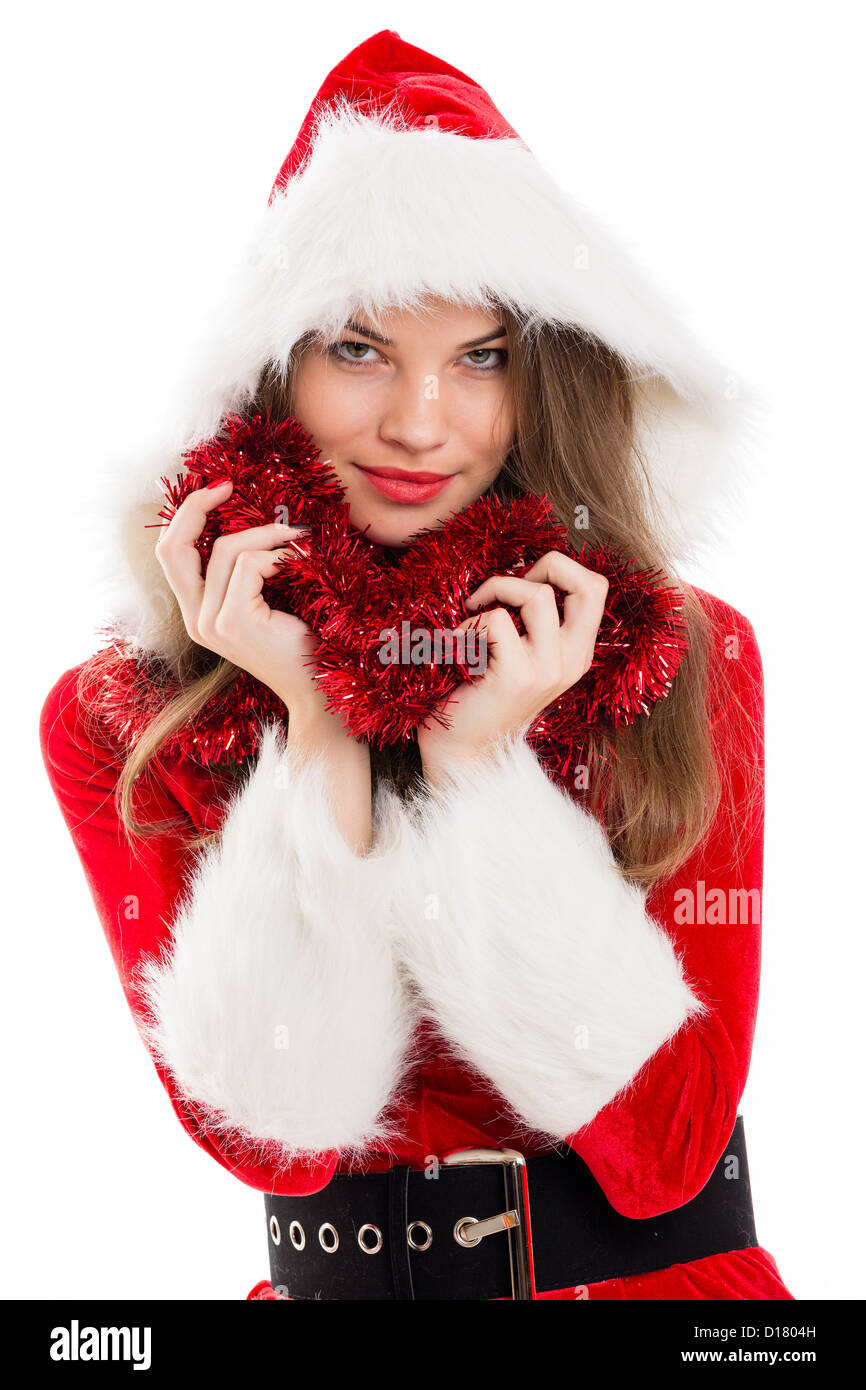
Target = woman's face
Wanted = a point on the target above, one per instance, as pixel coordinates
(413, 411)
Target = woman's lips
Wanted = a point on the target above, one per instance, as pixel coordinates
(406, 487)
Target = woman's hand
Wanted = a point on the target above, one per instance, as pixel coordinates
(224, 610)
(524, 674)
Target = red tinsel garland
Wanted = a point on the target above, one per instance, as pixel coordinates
(354, 593)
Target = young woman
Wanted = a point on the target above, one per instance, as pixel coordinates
(471, 1036)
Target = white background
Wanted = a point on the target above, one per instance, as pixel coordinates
(724, 142)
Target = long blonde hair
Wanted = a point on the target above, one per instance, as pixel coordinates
(656, 784)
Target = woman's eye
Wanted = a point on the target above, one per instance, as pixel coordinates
(334, 350)
(487, 366)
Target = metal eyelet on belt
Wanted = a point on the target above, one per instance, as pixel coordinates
(461, 1233)
(370, 1249)
(296, 1235)
(274, 1226)
(328, 1249)
(411, 1237)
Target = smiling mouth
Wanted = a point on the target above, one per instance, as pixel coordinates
(403, 486)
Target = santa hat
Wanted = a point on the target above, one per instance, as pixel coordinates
(404, 181)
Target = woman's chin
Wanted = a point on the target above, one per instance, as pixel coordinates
(389, 532)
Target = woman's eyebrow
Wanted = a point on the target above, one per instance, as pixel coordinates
(386, 342)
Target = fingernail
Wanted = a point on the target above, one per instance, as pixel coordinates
(218, 482)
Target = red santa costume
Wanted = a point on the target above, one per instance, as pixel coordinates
(415, 1042)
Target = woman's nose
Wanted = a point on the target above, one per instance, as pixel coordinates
(415, 416)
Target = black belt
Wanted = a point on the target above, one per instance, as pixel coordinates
(489, 1223)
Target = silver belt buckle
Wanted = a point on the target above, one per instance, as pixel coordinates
(469, 1230)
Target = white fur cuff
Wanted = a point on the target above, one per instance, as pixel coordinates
(277, 1003)
(534, 954)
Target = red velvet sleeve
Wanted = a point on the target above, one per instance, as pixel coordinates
(135, 892)
(654, 1147)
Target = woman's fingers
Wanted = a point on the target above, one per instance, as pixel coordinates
(566, 649)
(176, 552)
(201, 598)
(585, 596)
(585, 590)
(224, 555)
(497, 629)
(243, 594)
(537, 604)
